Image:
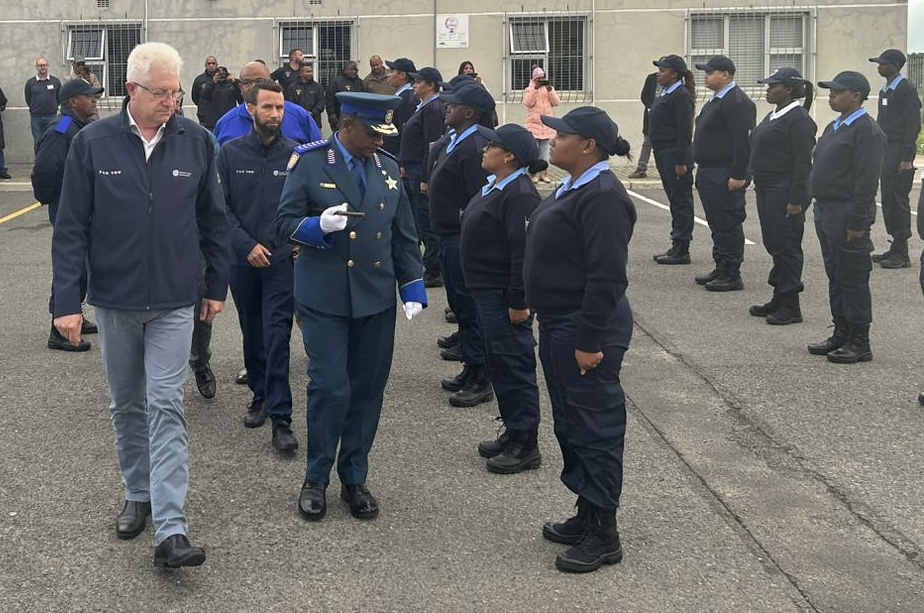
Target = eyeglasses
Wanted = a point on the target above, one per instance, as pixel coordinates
(161, 94)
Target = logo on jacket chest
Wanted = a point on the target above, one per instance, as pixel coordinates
(181, 173)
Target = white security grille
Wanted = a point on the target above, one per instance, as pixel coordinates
(327, 44)
(555, 42)
(105, 48)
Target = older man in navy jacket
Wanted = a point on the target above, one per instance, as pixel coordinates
(140, 200)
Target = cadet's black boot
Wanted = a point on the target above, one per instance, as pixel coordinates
(521, 453)
(452, 353)
(728, 280)
(444, 342)
(475, 391)
(679, 253)
(878, 257)
(570, 531)
(454, 384)
(856, 349)
(599, 546)
(706, 277)
(835, 341)
(897, 256)
(493, 447)
(789, 311)
(762, 310)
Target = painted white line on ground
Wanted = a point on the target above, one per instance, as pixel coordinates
(701, 222)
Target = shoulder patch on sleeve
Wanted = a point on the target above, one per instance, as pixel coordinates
(303, 149)
(63, 125)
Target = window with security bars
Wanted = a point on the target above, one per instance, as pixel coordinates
(758, 43)
(557, 44)
(104, 49)
(327, 44)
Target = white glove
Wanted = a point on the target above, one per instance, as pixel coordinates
(331, 222)
(411, 309)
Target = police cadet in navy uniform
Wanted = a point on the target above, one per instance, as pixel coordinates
(253, 171)
(781, 162)
(456, 178)
(344, 203)
(845, 175)
(492, 244)
(399, 78)
(78, 106)
(720, 150)
(899, 117)
(574, 271)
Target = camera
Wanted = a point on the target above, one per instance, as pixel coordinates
(543, 83)
(222, 73)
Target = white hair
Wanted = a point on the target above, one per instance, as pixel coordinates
(146, 56)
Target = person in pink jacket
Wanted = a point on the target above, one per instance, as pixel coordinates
(540, 98)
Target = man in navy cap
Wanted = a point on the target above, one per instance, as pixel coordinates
(344, 203)
(900, 118)
(720, 150)
(845, 173)
(78, 107)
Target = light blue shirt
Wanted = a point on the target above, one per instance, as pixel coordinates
(860, 112)
(499, 186)
(347, 156)
(721, 93)
(403, 88)
(894, 82)
(672, 88)
(456, 139)
(427, 101)
(589, 175)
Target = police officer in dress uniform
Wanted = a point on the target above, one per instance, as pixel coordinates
(844, 178)
(344, 203)
(252, 171)
(781, 162)
(574, 271)
(492, 244)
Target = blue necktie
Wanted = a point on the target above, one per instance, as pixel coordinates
(359, 175)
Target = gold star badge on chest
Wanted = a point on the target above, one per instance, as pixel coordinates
(391, 183)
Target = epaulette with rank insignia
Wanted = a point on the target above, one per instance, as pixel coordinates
(386, 154)
(303, 149)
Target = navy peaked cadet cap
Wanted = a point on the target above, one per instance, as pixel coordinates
(427, 73)
(470, 95)
(849, 79)
(589, 122)
(890, 56)
(402, 64)
(374, 110)
(718, 62)
(517, 140)
(782, 75)
(674, 62)
(77, 87)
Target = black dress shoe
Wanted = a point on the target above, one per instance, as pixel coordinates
(454, 384)
(241, 378)
(88, 327)
(205, 381)
(312, 501)
(362, 503)
(452, 354)
(57, 341)
(432, 280)
(5, 175)
(451, 318)
(283, 439)
(444, 342)
(256, 414)
(132, 519)
(706, 277)
(176, 551)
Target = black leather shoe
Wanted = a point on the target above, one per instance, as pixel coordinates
(205, 381)
(451, 318)
(706, 277)
(283, 439)
(362, 503)
(454, 384)
(432, 280)
(256, 414)
(452, 354)
(312, 501)
(5, 175)
(444, 342)
(477, 389)
(176, 551)
(491, 448)
(56, 340)
(921, 398)
(132, 519)
(241, 378)
(725, 283)
(88, 327)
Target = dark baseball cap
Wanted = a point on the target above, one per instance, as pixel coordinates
(517, 140)
(674, 62)
(427, 73)
(849, 79)
(589, 122)
(459, 81)
(783, 75)
(77, 87)
(402, 64)
(374, 110)
(890, 56)
(718, 62)
(471, 95)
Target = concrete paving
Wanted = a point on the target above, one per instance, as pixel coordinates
(758, 477)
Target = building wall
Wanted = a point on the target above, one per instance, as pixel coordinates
(624, 36)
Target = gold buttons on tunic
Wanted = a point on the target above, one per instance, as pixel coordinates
(381, 206)
(349, 263)
(352, 235)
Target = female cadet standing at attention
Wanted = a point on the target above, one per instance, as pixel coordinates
(492, 244)
(670, 128)
(781, 162)
(574, 272)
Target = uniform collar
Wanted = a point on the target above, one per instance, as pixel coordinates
(721, 93)
(860, 112)
(403, 88)
(589, 175)
(347, 156)
(456, 139)
(894, 83)
(427, 101)
(784, 110)
(672, 88)
(493, 183)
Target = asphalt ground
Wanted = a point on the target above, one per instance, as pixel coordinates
(757, 478)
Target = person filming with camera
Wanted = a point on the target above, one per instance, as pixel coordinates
(540, 99)
(223, 92)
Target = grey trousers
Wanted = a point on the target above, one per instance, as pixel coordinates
(145, 354)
